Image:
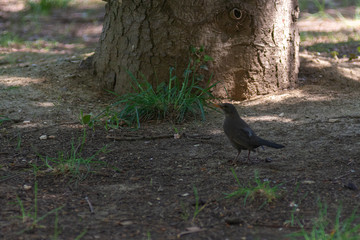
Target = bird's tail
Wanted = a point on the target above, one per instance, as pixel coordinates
(263, 142)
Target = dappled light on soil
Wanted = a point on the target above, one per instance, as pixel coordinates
(269, 118)
(329, 25)
(45, 104)
(143, 185)
(7, 81)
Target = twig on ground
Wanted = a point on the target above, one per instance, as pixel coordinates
(191, 230)
(138, 138)
(90, 205)
(344, 175)
(279, 226)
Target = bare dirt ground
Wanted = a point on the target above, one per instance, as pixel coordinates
(145, 187)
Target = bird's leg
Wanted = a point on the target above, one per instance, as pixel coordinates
(237, 156)
(249, 156)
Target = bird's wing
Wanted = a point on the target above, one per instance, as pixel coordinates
(247, 131)
(241, 136)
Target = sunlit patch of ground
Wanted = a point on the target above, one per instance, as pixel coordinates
(43, 91)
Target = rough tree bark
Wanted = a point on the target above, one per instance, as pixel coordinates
(254, 43)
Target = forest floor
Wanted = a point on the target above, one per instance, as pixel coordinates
(141, 185)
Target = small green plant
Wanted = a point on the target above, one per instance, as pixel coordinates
(334, 54)
(11, 88)
(316, 6)
(3, 119)
(323, 229)
(352, 56)
(18, 145)
(186, 214)
(320, 5)
(73, 163)
(81, 234)
(198, 209)
(261, 190)
(30, 217)
(45, 6)
(357, 11)
(173, 100)
(8, 39)
(56, 226)
(303, 4)
(295, 205)
(85, 119)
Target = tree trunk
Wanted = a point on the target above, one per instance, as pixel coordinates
(254, 43)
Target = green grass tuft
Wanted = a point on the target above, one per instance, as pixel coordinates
(74, 163)
(45, 6)
(261, 189)
(30, 218)
(174, 100)
(323, 229)
(3, 119)
(186, 213)
(8, 39)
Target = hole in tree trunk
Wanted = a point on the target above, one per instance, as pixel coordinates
(236, 14)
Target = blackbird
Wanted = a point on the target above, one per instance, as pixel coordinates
(241, 136)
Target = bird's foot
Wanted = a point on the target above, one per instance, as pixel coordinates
(236, 162)
(250, 160)
(232, 162)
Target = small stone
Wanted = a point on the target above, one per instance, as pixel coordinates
(126, 223)
(333, 120)
(43, 137)
(308, 182)
(27, 187)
